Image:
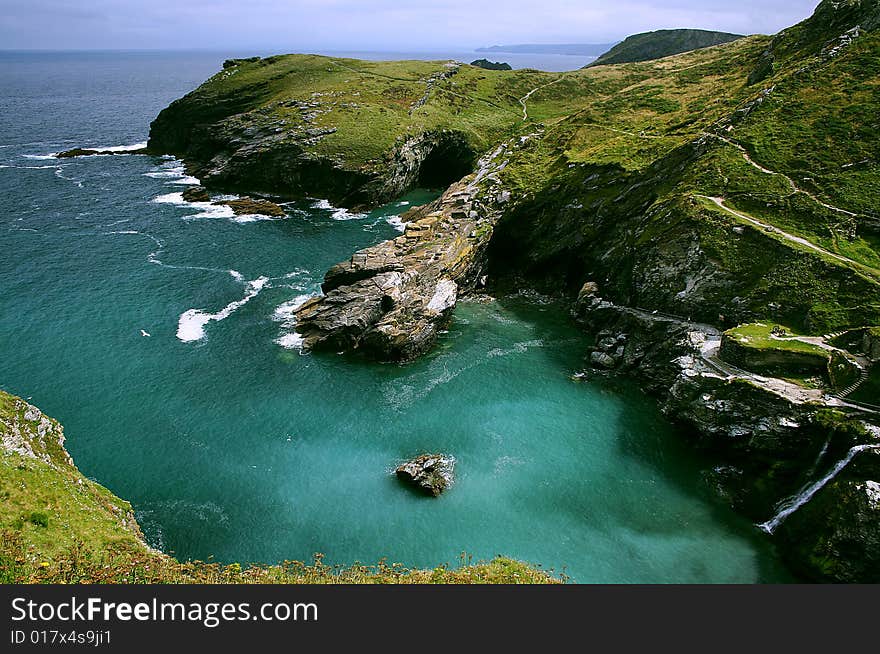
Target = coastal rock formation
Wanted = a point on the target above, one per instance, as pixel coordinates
(39, 480)
(196, 194)
(246, 206)
(491, 65)
(391, 299)
(838, 531)
(86, 152)
(432, 473)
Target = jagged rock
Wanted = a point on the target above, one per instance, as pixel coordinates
(87, 152)
(602, 360)
(491, 65)
(390, 300)
(432, 473)
(196, 194)
(246, 205)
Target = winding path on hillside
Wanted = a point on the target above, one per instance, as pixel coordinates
(794, 187)
(719, 202)
(528, 95)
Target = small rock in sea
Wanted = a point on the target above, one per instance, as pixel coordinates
(246, 205)
(432, 473)
(196, 194)
(88, 152)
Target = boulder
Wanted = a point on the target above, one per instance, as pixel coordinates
(246, 206)
(196, 194)
(87, 152)
(431, 473)
(602, 360)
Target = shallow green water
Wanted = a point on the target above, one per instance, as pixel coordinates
(231, 444)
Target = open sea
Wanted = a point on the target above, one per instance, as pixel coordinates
(159, 333)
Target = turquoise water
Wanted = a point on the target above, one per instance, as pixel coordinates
(230, 443)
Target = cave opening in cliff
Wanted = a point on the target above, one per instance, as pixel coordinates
(447, 162)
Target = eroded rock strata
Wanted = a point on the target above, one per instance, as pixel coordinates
(391, 299)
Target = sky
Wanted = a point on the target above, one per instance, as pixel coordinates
(378, 25)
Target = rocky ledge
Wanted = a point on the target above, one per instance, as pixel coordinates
(391, 300)
(87, 152)
(241, 206)
(432, 473)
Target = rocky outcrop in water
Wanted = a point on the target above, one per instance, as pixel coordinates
(86, 152)
(431, 473)
(196, 194)
(248, 206)
(391, 300)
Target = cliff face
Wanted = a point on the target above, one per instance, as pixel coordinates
(681, 197)
(46, 500)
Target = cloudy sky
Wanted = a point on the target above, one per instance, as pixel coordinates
(292, 25)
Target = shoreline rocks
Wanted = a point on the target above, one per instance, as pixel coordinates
(391, 300)
(431, 473)
(87, 152)
(196, 194)
(247, 205)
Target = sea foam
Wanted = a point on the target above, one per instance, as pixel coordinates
(191, 324)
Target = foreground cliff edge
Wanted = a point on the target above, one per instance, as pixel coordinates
(57, 526)
(711, 216)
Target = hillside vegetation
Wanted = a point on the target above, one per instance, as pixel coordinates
(662, 43)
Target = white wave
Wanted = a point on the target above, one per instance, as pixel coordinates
(404, 203)
(337, 213)
(290, 341)
(237, 276)
(285, 313)
(175, 174)
(191, 325)
(61, 175)
(31, 167)
(396, 222)
(122, 231)
(205, 209)
(40, 157)
(120, 148)
(518, 348)
(171, 198)
(345, 214)
(245, 218)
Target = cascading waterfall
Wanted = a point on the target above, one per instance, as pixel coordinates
(819, 458)
(805, 495)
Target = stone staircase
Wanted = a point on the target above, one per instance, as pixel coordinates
(852, 388)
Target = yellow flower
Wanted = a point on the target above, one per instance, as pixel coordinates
(44, 564)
